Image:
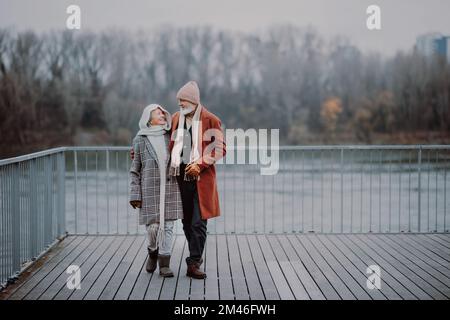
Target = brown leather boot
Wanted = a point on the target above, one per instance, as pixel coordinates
(152, 260)
(164, 269)
(194, 271)
(200, 262)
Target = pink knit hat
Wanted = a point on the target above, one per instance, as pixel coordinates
(189, 92)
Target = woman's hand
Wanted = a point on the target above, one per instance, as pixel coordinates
(136, 204)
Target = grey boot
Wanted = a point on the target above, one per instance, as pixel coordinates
(164, 269)
(152, 260)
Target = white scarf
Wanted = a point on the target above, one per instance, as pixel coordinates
(178, 145)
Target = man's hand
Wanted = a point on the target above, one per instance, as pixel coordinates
(136, 204)
(132, 154)
(192, 169)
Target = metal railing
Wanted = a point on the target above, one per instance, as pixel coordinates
(32, 218)
(327, 189)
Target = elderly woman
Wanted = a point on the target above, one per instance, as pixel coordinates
(153, 191)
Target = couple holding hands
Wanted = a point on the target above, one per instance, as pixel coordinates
(173, 177)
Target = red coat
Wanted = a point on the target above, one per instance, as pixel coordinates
(206, 185)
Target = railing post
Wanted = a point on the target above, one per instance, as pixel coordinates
(342, 189)
(15, 217)
(61, 169)
(47, 200)
(3, 213)
(107, 190)
(419, 163)
(33, 211)
(75, 171)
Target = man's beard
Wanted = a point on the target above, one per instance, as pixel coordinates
(187, 111)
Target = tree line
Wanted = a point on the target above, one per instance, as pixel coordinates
(66, 87)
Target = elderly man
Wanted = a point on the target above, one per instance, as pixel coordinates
(194, 149)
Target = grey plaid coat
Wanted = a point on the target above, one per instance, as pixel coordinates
(144, 183)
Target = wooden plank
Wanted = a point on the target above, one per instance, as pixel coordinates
(422, 270)
(143, 280)
(254, 285)
(183, 282)
(43, 283)
(423, 248)
(435, 246)
(64, 293)
(198, 285)
(306, 279)
(388, 280)
(443, 240)
(355, 266)
(322, 282)
(443, 236)
(268, 285)
(439, 243)
(237, 271)
(432, 244)
(169, 284)
(352, 280)
(294, 282)
(40, 265)
(130, 279)
(155, 287)
(427, 283)
(94, 273)
(419, 250)
(32, 280)
(34, 269)
(289, 267)
(119, 274)
(394, 268)
(60, 281)
(212, 280)
(225, 283)
(443, 271)
(102, 280)
(328, 272)
(60, 268)
(278, 277)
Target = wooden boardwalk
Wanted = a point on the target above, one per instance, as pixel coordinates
(285, 266)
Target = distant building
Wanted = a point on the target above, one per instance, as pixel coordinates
(434, 43)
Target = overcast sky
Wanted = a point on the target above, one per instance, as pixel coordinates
(402, 20)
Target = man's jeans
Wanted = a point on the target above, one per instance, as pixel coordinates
(194, 226)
